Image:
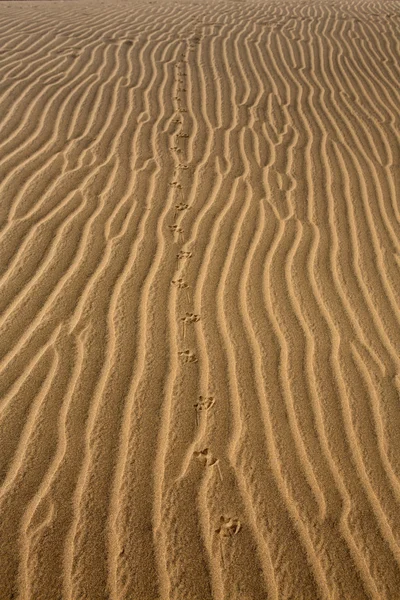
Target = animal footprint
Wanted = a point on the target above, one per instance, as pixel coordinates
(228, 527)
(187, 319)
(181, 285)
(204, 403)
(181, 167)
(184, 254)
(182, 206)
(175, 228)
(187, 356)
(182, 135)
(208, 460)
(178, 230)
(190, 318)
(175, 184)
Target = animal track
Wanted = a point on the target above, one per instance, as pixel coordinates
(182, 206)
(182, 135)
(208, 460)
(187, 356)
(178, 186)
(187, 319)
(204, 404)
(184, 254)
(175, 229)
(228, 527)
(190, 318)
(181, 285)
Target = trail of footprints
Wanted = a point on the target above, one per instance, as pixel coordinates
(228, 526)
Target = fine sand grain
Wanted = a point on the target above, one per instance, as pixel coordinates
(199, 301)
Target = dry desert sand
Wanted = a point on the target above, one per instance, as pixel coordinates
(199, 305)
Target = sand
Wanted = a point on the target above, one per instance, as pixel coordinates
(199, 305)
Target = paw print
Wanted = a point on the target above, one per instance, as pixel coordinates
(181, 206)
(175, 229)
(182, 254)
(175, 184)
(190, 318)
(176, 149)
(228, 527)
(187, 357)
(181, 285)
(208, 460)
(182, 135)
(187, 319)
(203, 404)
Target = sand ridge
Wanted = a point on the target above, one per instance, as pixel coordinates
(199, 305)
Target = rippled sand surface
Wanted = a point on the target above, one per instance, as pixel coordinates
(199, 300)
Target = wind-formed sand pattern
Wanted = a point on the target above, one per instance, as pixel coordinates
(199, 302)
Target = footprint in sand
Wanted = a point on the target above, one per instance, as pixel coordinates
(187, 356)
(187, 320)
(190, 318)
(228, 526)
(183, 254)
(203, 405)
(175, 229)
(181, 285)
(208, 460)
(176, 149)
(175, 184)
(181, 206)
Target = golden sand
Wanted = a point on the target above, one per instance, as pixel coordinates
(199, 302)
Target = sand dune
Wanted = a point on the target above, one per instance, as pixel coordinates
(199, 305)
